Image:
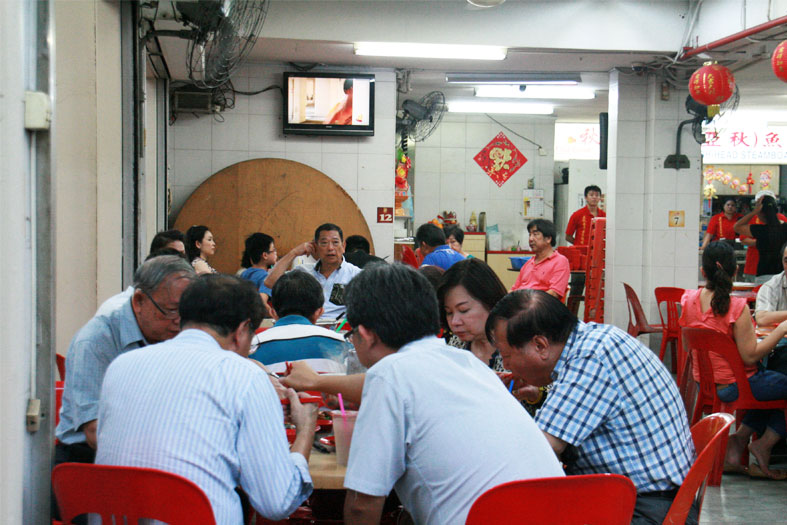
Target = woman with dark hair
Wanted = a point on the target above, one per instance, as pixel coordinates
(259, 255)
(770, 236)
(721, 226)
(199, 246)
(712, 307)
(455, 237)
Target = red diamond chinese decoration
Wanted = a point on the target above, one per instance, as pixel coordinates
(500, 159)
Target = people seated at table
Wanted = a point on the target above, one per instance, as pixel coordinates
(149, 316)
(433, 274)
(197, 407)
(771, 305)
(332, 271)
(168, 239)
(199, 246)
(712, 307)
(721, 225)
(258, 257)
(769, 236)
(547, 270)
(578, 228)
(435, 423)
(430, 239)
(611, 398)
(296, 304)
(455, 237)
(358, 251)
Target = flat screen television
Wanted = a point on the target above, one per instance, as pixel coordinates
(329, 104)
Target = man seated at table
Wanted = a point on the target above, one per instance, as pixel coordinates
(611, 397)
(149, 316)
(358, 251)
(435, 422)
(771, 309)
(332, 271)
(430, 239)
(296, 304)
(547, 270)
(196, 407)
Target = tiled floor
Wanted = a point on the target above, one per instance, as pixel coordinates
(741, 499)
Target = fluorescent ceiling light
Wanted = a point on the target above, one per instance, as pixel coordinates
(537, 91)
(407, 49)
(513, 78)
(497, 106)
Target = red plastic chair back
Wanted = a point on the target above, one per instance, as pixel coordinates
(129, 491)
(408, 257)
(670, 297)
(710, 438)
(60, 361)
(593, 498)
(640, 324)
(59, 387)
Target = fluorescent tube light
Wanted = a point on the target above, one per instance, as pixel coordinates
(537, 91)
(513, 78)
(497, 106)
(406, 49)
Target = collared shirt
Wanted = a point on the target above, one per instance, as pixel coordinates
(772, 296)
(93, 348)
(190, 407)
(332, 285)
(615, 401)
(443, 256)
(441, 439)
(579, 225)
(257, 276)
(720, 227)
(295, 338)
(115, 302)
(547, 274)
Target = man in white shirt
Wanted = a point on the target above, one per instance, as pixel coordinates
(435, 423)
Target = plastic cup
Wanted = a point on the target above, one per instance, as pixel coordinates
(343, 432)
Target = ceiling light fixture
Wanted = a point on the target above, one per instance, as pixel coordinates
(514, 78)
(485, 3)
(500, 107)
(415, 50)
(534, 91)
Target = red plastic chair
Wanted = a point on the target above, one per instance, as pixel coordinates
(59, 387)
(640, 324)
(60, 361)
(710, 437)
(133, 492)
(702, 342)
(408, 257)
(593, 498)
(670, 331)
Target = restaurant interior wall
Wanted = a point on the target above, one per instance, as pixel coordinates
(362, 166)
(449, 179)
(581, 173)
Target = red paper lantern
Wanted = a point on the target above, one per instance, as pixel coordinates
(711, 84)
(779, 61)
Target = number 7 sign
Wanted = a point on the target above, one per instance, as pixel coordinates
(384, 214)
(677, 219)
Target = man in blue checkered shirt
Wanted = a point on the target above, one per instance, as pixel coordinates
(611, 398)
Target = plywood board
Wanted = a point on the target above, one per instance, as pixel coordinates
(285, 199)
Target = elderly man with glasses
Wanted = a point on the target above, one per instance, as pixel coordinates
(149, 316)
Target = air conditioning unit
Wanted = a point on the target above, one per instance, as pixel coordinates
(191, 99)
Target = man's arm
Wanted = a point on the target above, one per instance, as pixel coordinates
(362, 508)
(302, 377)
(285, 262)
(766, 318)
(569, 238)
(89, 429)
(304, 417)
(557, 444)
(706, 240)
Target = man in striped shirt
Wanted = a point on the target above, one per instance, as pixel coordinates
(197, 407)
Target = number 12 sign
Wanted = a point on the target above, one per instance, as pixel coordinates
(384, 214)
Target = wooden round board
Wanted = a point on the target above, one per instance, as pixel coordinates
(285, 199)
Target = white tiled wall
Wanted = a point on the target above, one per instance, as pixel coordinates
(447, 177)
(363, 166)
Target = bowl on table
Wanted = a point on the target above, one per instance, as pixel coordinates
(518, 262)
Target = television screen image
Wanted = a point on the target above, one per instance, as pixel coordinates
(329, 103)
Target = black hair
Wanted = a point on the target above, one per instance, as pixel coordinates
(718, 263)
(357, 242)
(530, 313)
(433, 274)
(395, 302)
(162, 239)
(327, 227)
(256, 244)
(193, 235)
(221, 302)
(590, 188)
(457, 232)
(781, 252)
(348, 84)
(480, 281)
(770, 211)
(165, 251)
(547, 229)
(429, 234)
(296, 293)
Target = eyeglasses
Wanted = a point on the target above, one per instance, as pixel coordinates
(168, 314)
(325, 244)
(348, 335)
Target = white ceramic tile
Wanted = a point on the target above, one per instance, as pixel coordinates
(376, 172)
(664, 180)
(453, 134)
(427, 159)
(180, 195)
(450, 204)
(427, 184)
(629, 211)
(631, 275)
(221, 159)
(303, 144)
(630, 139)
(662, 276)
(452, 160)
(632, 108)
(232, 134)
(663, 246)
(342, 168)
(452, 185)
(659, 205)
(454, 117)
(686, 277)
(433, 140)
(686, 253)
(477, 135)
(628, 248)
(265, 134)
(619, 315)
(477, 186)
(311, 159)
(332, 144)
(384, 99)
(190, 132)
(384, 139)
(268, 103)
(191, 167)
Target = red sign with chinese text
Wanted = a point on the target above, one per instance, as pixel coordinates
(384, 214)
(500, 159)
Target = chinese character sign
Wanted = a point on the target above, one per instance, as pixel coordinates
(745, 145)
(500, 159)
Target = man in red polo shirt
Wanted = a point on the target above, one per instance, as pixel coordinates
(720, 225)
(578, 229)
(547, 270)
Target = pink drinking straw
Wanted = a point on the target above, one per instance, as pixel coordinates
(341, 407)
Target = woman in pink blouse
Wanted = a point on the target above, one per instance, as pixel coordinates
(712, 307)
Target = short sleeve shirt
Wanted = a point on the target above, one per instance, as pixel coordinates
(257, 276)
(720, 227)
(551, 273)
(333, 285)
(443, 256)
(772, 296)
(579, 225)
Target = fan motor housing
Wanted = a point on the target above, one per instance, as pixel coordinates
(192, 99)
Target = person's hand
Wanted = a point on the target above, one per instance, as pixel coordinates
(306, 248)
(303, 416)
(782, 327)
(301, 377)
(758, 206)
(525, 392)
